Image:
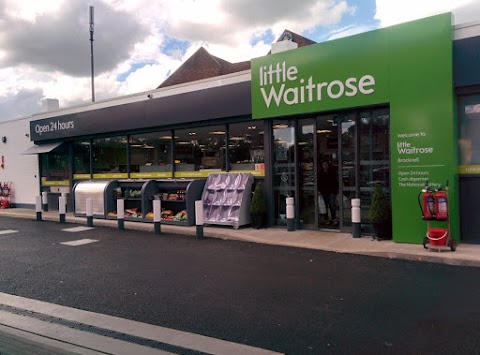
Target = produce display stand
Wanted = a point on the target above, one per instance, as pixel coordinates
(177, 198)
(135, 194)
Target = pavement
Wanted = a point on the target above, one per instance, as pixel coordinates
(327, 240)
(30, 326)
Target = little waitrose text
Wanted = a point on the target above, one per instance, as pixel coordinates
(308, 90)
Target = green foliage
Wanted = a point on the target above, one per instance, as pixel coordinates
(258, 204)
(381, 210)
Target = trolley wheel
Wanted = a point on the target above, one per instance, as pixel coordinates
(425, 243)
(453, 245)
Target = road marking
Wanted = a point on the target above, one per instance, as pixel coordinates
(75, 243)
(77, 229)
(8, 231)
(159, 334)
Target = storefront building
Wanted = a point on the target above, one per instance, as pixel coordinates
(379, 107)
(467, 87)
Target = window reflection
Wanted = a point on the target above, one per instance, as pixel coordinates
(200, 149)
(110, 156)
(306, 156)
(245, 146)
(469, 131)
(374, 137)
(81, 159)
(284, 168)
(55, 167)
(150, 155)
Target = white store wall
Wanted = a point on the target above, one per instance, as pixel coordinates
(20, 169)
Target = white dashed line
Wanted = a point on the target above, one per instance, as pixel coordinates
(8, 231)
(75, 243)
(77, 229)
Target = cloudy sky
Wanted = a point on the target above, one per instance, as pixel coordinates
(45, 46)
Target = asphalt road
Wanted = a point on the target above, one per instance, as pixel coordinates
(289, 300)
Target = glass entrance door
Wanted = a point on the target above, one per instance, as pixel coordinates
(327, 171)
(356, 145)
(284, 167)
(324, 162)
(348, 156)
(306, 173)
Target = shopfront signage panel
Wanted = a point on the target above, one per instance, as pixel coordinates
(345, 73)
(407, 66)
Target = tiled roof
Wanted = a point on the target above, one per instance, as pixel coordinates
(203, 65)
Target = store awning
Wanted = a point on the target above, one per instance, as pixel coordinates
(41, 148)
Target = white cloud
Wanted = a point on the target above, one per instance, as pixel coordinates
(45, 48)
(391, 12)
(45, 45)
(29, 10)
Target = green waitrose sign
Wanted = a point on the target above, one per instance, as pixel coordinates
(348, 72)
(408, 67)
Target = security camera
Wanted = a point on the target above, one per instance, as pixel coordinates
(150, 96)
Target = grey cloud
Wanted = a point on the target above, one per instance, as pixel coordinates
(26, 102)
(248, 14)
(60, 42)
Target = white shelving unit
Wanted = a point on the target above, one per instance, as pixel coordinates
(226, 199)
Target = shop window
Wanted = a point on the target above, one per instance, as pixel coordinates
(469, 131)
(245, 147)
(199, 151)
(55, 167)
(110, 157)
(374, 159)
(81, 160)
(150, 155)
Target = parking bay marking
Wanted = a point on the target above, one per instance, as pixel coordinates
(75, 243)
(8, 231)
(77, 229)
